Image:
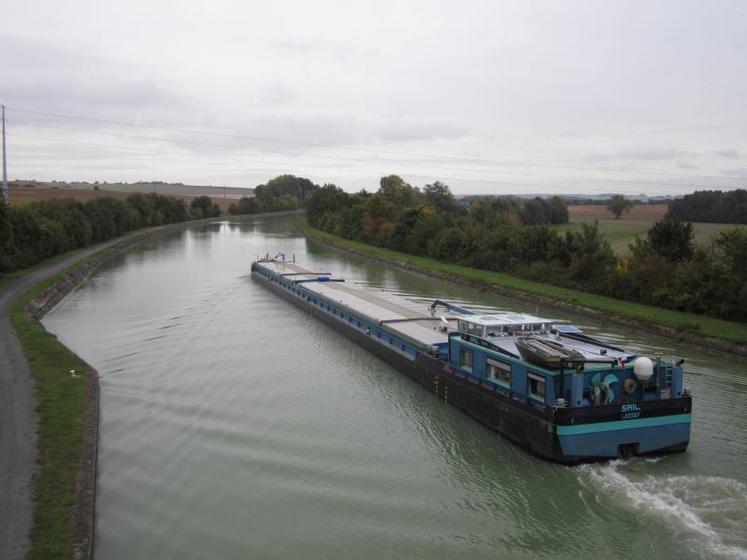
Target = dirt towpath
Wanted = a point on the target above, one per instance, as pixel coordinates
(17, 415)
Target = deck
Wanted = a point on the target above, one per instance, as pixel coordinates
(392, 311)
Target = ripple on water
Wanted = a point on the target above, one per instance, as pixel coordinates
(233, 425)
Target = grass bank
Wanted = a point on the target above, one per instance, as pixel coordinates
(62, 400)
(643, 314)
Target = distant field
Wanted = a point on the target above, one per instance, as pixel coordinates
(24, 195)
(638, 213)
(622, 232)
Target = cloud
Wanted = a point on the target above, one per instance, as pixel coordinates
(571, 134)
(640, 154)
(403, 130)
(277, 93)
(306, 47)
(433, 78)
(52, 77)
(740, 172)
(650, 154)
(730, 153)
(296, 130)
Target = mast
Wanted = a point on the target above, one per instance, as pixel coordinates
(5, 164)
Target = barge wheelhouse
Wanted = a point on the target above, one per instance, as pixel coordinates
(545, 385)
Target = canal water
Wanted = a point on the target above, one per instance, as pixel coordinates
(235, 426)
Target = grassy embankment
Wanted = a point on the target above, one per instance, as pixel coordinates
(62, 401)
(706, 326)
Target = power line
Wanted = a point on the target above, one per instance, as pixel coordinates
(354, 160)
(371, 151)
(499, 183)
(5, 164)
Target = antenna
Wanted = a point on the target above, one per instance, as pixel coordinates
(5, 165)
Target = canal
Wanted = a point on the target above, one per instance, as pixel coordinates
(233, 426)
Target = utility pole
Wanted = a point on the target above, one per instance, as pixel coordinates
(6, 198)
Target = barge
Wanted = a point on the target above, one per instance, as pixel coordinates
(545, 385)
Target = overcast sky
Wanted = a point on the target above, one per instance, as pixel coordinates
(489, 97)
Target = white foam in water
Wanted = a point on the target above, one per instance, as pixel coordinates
(712, 511)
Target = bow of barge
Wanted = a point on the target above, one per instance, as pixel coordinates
(593, 402)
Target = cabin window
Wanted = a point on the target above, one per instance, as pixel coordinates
(536, 386)
(498, 371)
(466, 358)
(476, 330)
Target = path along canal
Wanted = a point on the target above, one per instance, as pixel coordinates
(233, 425)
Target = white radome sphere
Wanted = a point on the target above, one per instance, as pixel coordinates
(643, 368)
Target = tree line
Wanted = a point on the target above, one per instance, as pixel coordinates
(724, 207)
(285, 192)
(506, 234)
(36, 231)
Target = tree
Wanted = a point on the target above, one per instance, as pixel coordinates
(448, 245)
(397, 192)
(378, 219)
(330, 198)
(439, 196)
(427, 227)
(535, 212)
(728, 207)
(7, 245)
(203, 207)
(733, 245)
(539, 211)
(298, 187)
(668, 238)
(672, 239)
(618, 205)
(246, 205)
(558, 210)
(492, 211)
(589, 252)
